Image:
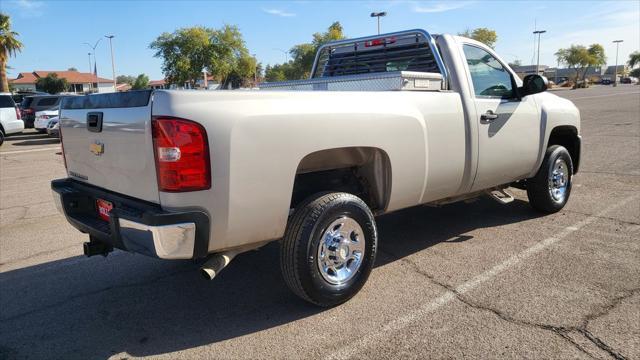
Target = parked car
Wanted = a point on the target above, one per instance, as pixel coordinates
(43, 117)
(53, 128)
(384, 123)
(10, 119)
(628, 80)
(20, 95)
(32, 104)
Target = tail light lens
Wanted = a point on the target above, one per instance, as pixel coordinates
(18, 114)
(182, 154)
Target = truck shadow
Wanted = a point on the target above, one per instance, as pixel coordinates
(97, 307)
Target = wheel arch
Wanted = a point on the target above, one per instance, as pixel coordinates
(360, 170)
(567, 136)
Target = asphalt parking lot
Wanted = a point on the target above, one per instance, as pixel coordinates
(476, 280)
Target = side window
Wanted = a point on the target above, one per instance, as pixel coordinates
(6, 101)
(490, 78)
(50, 101)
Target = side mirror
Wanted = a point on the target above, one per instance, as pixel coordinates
(533, 84)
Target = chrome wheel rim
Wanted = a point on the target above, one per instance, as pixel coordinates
(341, 250)
(559, 180)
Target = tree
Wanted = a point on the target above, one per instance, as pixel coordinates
(303, 56)
(515, 63)
(72, 69)
(634, 59)
(635, 73)
(141, 82)
(579, 58)
(125, 79)
(52, 84)
(484, 35)
(243, 73)
(9, 46)
(187, 52)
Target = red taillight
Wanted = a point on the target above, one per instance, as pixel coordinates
(182, 154)
(18, 115)
(379, 42)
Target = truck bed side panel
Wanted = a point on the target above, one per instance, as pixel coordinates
(257, 140)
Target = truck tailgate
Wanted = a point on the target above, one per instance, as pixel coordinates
(107, 142)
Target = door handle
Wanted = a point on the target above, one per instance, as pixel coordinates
(488, 117)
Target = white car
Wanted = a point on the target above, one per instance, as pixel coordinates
(43, 117)
(53, 128)
(10, 119)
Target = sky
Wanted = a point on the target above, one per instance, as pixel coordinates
(53, 32)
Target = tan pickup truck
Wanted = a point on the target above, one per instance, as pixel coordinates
(384, 123)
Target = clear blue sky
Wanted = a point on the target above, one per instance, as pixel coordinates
(53, 31)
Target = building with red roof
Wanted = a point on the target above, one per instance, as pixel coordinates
(79, 82)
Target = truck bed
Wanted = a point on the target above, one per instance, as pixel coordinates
(383, 81)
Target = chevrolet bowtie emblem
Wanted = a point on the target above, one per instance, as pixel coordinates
(96, 148)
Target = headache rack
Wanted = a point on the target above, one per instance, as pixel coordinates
(407, 60)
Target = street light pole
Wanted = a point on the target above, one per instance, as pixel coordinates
(378, 15)
(113, 64)
(255, 71)
(95, 61)
(615, 68)
(286, 54)
(539, 32)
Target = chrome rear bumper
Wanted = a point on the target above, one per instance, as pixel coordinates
(134, 225)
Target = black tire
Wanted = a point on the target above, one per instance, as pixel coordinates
(538, 190)
(1, 137)
(299, 248)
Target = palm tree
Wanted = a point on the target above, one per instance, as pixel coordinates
(634, 59)
(9, 46)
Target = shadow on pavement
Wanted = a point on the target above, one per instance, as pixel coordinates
(96, 307)
(45, 141)
(26, 136)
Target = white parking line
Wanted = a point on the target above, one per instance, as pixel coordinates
(599, 96)
(356, 347)
(27, 151)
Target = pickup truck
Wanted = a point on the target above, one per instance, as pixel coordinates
(384, 123)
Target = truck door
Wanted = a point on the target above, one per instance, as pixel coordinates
(508, 127)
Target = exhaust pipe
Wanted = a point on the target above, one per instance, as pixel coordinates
(212, 267)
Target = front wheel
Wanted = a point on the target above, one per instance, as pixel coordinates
(329, 248)
(549, 190)
(1, 137)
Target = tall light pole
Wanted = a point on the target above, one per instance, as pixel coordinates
(93, 47)
(378, 15)
(255, 71)
(539, 32)
(113, 64)
(615, 68)
(286, 54)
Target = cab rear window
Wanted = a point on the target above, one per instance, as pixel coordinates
(404, 52)
(6, 101)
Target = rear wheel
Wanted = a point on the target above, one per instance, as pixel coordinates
(329, 248)
(549, 190)
(1, 137)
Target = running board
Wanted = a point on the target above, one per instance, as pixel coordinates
(500, 195)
